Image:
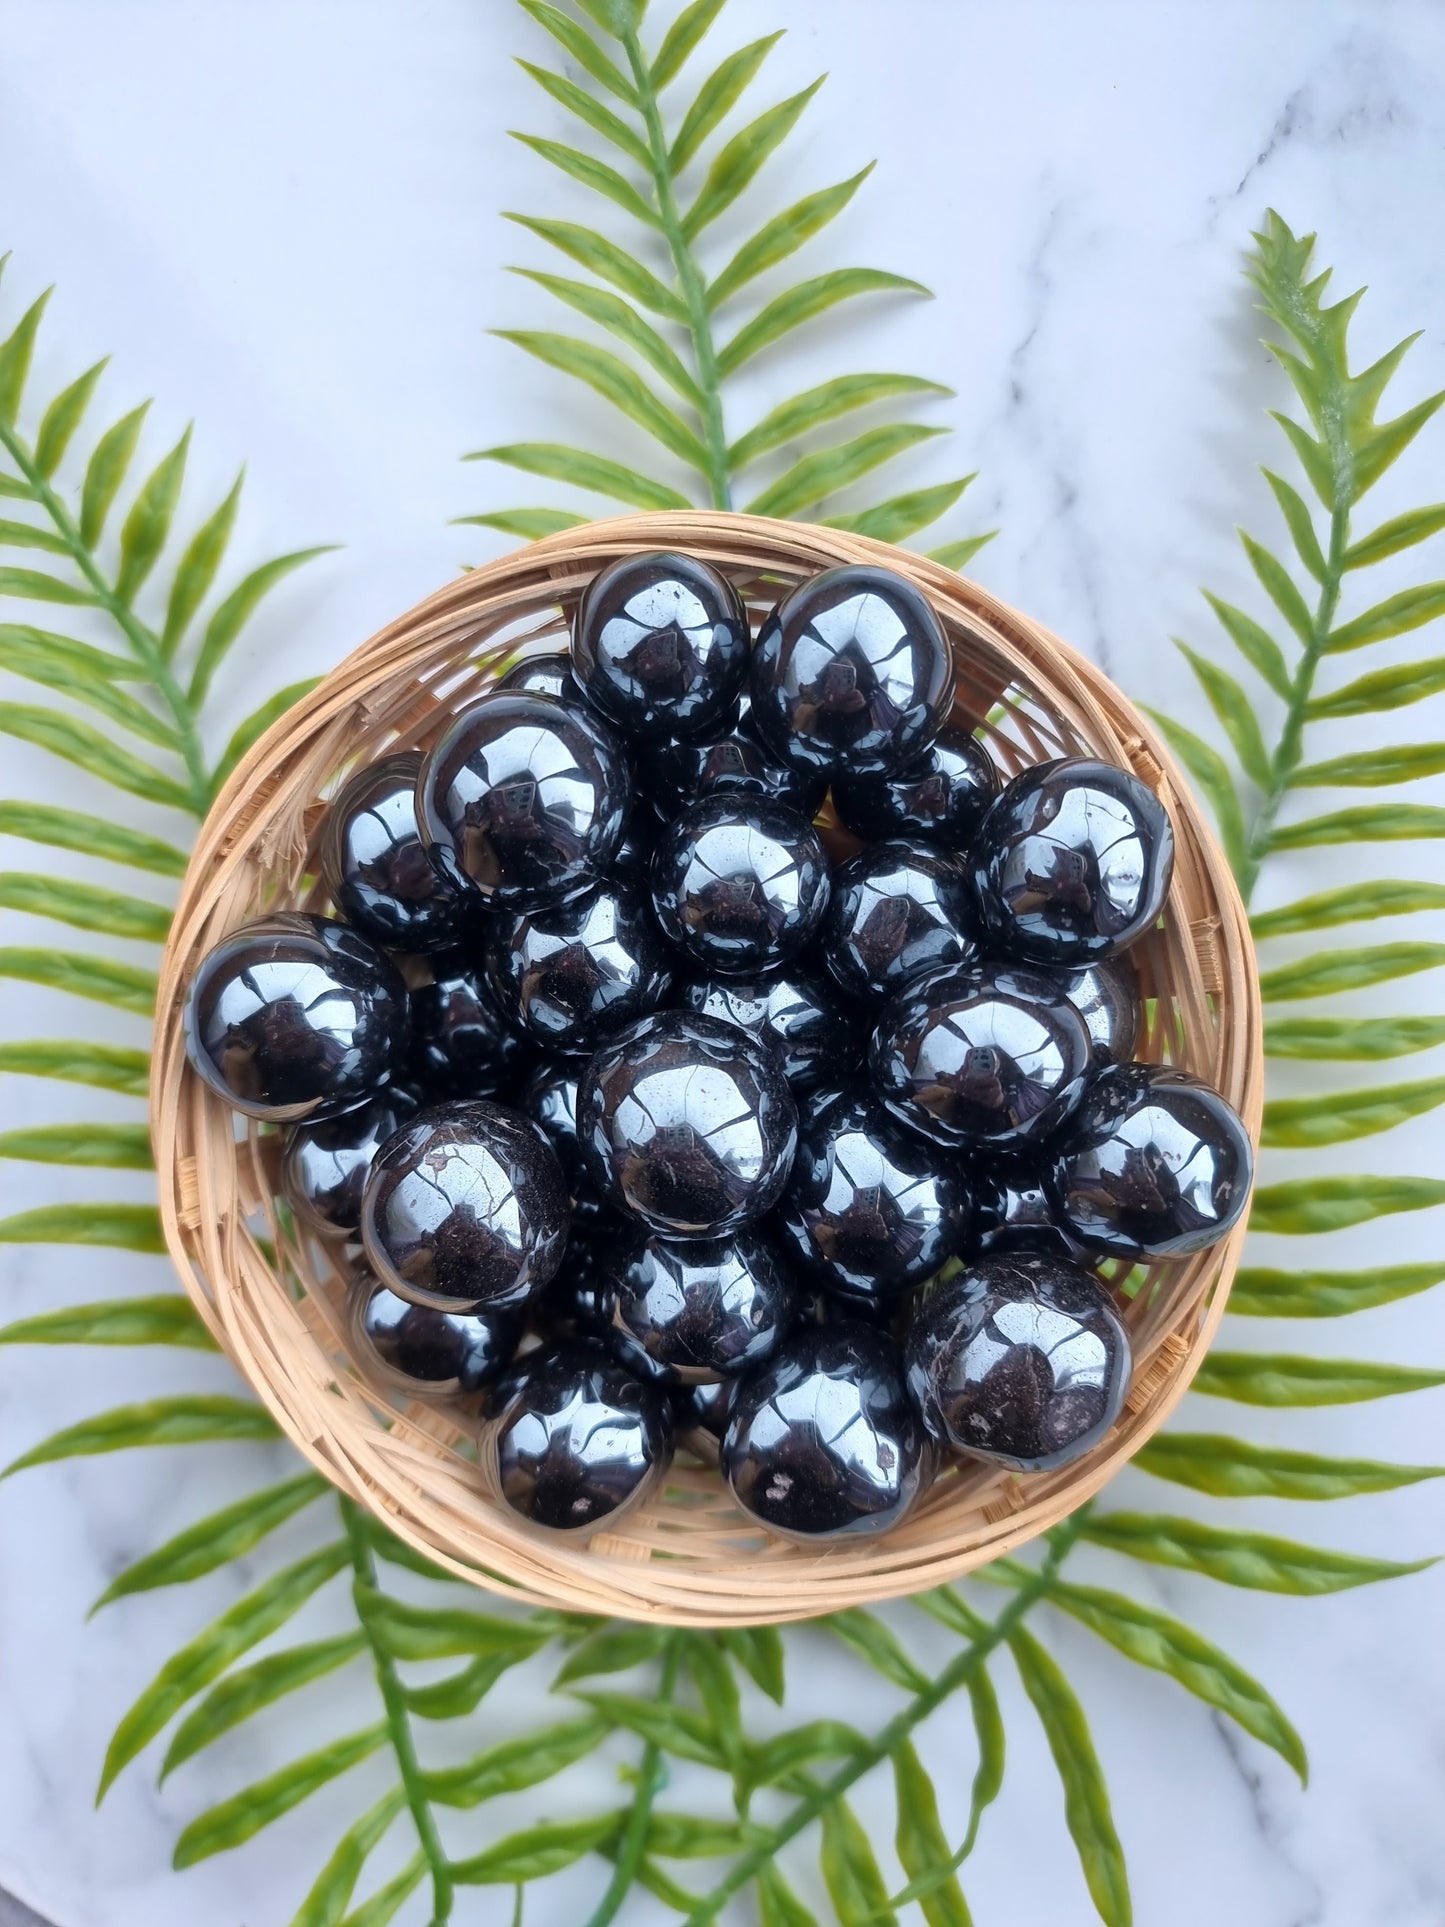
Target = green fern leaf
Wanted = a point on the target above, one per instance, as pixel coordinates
(243, 1816)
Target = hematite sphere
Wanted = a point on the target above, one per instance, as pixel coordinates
(1153, 1164)
(731, 763)
(325, 1165)
(871, 1209)
(941, 798)
(1014, 1213)
(899, 909)
(571, 972)
(1106, 996)
(576, 1301)
(461, 1045)
(740, 884)
(549, 675)
(822, 1441)
(549, 1098)
(705, 1309)
(688, 1123)
(852, 672)
(1019, 1359)
(294, 1017)
(525, 798)
(1072, 862)
(660, 644)
(798, 1016)
(378, 871)
(992, 1056)
(428, 1353)
(465, 1206)
(577, 1439)
(701, 1414)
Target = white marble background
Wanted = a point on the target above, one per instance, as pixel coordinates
(282, 220)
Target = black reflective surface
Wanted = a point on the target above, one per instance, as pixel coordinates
(899, 909)
(797, 1014)
(688, 1123)
(525, 797)
(324, 1165)
(465, 1206)
(701, 1414)
(1013, 1210)
(822, 1441)
(1019, 1359)
(981, 1056)
(578, 1439)
(576, 1301)
(461, 1045)
(740, 884)
(871, 1209)
(707, 1308)
(1073, 862)
(660, 644)
(731, 763)
(428, 1353)
(852, 671)
(941, 798)
(633, 858)
(295, 1017)
(1153, 1164)
(549, 1098)
(378, 871)
(571, 972)
(1106, 996)
(549, 675)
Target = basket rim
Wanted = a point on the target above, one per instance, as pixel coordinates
(606, 1575)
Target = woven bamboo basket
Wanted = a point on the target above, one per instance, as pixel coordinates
(274, 1298)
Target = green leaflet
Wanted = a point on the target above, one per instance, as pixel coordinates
(1228, 1468)
(34, 586)
(235, 612)
(120, 1147)
(462, 1692)
(64, 671)
(144, 531)
(1329, 971)
(740, 160)
(387, 1901)
(904, 515)
(673, 1729)
(529, 525)
(783, 235)
(1153, 1639)
(878, 1644)
(1352, 1038)
(127, 1227)
(1239, 1558)
(22, 646)
(335, 1884)
(683, 1836)
(1400, 532)
(818, 406)
(615, 1647)
(91, 835)
(15, 355)
(537, 1852)
(216, 1540)
(84, 906)
(800, 1746)
(515, 1764)
(582, 47)
(417, 1632)
(1086, 1798)
(589, 110)
(850, 1869)
(621, 319)
(1295, 511)
(1330, 1204)
(595, 174)
(197, 570)
(1394, 688)
(778, 1905)
(716, 98)
(611, 378)
(234, 1698)
(1393, 617)
(682, 39)
(1211, 773)
(1235, 713)
(1380, 823)
(607, 261)
(240, 1818)
(255, 726)
(1374, 768)
(585, 471)
(106, 472)
(78, 743)
(803, 303)
(1355, 903)
(1338, 1117)
(1255, 644)
(810, 480)
(1269, 1378)
(718, 1691)
(168, 1319)
(109, 1067)
(183, 1420)
(759, 1651)
(31, 535)
(188, 1672)
(923, 1848)
(63, 417)
(1261, 1293)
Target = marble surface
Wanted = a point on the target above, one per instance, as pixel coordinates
(282, 220)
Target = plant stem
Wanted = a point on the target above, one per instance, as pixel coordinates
(953, 1676)
(144, 643)
(649, 1784)
(1289, 748)
(689, 278)
(398, 1723)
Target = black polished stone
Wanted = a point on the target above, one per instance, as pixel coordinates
(688, 1123)
(660, 644)
(822, 1441)
(740, 884)
(1019, 1359)
(871, 1209)
(633, 859)
(524, 798)
(899, 909)
(1072, 862)
(577, 1439)
(852, 672)
(549, 1098)
(941, 798)
(708, 1308)
(548, 675)
(701, 1414)
(465, 1206)
(1153, 1164)
(461, 1044)
(324, 1166)
(294, 1017)
(378, 871)
(732, 763)
(1013, 1210)
(799, 1016)
(993, 1056)
(576, 1301)
(570, 973)
(423, 1351)
(1106, 996)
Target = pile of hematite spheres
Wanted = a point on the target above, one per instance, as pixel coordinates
(656, 1126)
